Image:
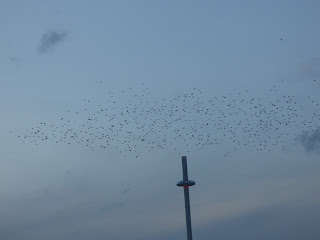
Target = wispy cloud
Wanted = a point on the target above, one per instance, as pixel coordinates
(311, 141)
(50, 39)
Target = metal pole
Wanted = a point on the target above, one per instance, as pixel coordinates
(188, 215)
(184, 168)
(186, 183)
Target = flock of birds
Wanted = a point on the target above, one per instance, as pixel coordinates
(132, 121)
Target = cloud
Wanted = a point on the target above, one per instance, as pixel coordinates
(112, 206)
(276, 222)
(50, 39)
(311, 142)
(125, 191)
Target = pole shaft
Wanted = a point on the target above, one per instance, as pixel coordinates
(188, 215)
(186, 197)
(184, 168)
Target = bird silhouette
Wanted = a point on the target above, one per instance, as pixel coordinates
(133, 121)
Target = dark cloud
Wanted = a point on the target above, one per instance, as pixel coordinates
(125, 191)
(274, 222)
(277, 222)
(13, 59)
(112, 206)
(311, 141)
(50, 39)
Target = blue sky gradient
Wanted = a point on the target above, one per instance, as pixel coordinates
(58, 55)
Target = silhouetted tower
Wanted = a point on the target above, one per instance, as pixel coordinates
(186, 183)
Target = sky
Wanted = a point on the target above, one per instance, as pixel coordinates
(100, 99)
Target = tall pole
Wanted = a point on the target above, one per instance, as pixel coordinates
(186, 183)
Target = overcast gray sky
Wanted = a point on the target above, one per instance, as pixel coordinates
(100, 99)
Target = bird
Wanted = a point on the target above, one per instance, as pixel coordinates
(191, 121)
